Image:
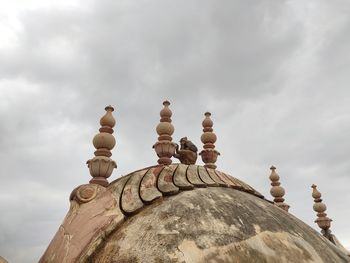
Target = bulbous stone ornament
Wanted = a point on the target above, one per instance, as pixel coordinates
(164, 147)
(322, 220)
(277, 191)
(101, 166)
(209, 154)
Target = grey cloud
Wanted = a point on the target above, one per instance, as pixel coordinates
(242, 60)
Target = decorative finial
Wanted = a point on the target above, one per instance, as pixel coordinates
(322, 220)
(277, 191)
(164, 147)
(187, 154)
(101, 166)
(208, 138)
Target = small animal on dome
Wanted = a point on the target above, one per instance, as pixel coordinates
(187, 154)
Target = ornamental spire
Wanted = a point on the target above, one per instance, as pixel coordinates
(209, 154)
(322, 220)
(164, 147)
(101, 166)
(277, 191)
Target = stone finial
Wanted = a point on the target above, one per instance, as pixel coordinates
(209, 154)
(322, 220)
(101, 166)
(164, 147)
(277, 191)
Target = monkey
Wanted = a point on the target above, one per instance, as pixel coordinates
(187, 154)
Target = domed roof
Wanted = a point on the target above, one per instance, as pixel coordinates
(183, 213)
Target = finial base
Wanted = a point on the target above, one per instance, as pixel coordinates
(164, 161)
(210, 165)
(283, 206)
(209, 157)
(165, 150)
(101, 167)
(324, 223)
(328, 234)
(100, 181)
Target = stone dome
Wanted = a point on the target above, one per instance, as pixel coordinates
(183, 214)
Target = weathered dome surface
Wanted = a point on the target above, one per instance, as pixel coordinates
(215, 225)
(183, 213)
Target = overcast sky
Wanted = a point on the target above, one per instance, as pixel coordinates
(274, 74)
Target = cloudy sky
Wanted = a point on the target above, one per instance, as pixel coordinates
(274, 74)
